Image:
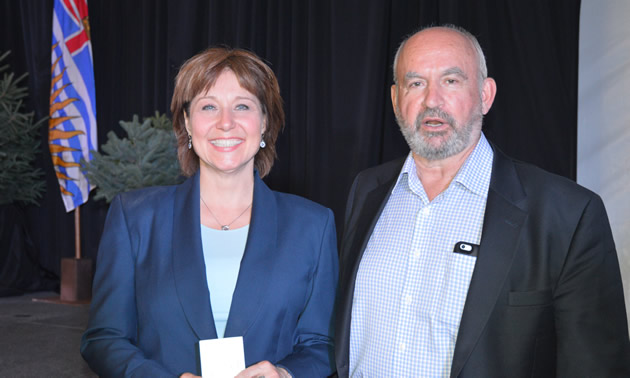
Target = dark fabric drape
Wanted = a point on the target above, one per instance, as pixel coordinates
(333, 60)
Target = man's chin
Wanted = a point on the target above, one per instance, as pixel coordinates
(435, 142)
(436, 149)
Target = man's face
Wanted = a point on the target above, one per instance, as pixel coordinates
(439, 102)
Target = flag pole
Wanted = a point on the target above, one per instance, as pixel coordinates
(77, 232)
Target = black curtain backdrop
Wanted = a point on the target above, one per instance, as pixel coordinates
(333, 61)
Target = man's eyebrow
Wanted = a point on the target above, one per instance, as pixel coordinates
(455, 71)
(412, 75)
(450, 71)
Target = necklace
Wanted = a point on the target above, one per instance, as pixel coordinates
(224, 227)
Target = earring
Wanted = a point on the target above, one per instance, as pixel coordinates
(189, 141)
(262, 141)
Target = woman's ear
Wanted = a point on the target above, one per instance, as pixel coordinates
(187, 124)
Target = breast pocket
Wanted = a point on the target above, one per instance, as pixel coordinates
(451, 296)
(529, 315)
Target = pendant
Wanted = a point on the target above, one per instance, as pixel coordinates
(225, 228)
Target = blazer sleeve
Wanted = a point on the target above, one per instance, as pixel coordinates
(590, 315)
(109, 343)
(313, 352)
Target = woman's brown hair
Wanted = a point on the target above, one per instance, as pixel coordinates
(199, 73)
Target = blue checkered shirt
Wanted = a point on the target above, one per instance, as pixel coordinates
(411, 287)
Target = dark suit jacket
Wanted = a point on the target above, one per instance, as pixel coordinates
(150, 305)
(545, 298)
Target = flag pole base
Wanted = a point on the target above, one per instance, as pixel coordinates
(76, 280)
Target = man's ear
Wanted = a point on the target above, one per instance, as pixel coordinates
(394, 94)
(488, 91)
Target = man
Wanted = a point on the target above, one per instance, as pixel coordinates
(461, 262)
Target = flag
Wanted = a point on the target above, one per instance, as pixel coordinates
(72, 122)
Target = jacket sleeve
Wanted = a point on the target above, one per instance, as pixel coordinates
(590, 315)
(109, 343)
(313, 352)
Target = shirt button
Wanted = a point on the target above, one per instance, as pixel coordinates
(407, 299)
(401, 347)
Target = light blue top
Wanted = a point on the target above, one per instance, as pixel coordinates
(222, 254)
(411, 286)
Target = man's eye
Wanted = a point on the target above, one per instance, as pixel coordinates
(452, 81)
(415, 84)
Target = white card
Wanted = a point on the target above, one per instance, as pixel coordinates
(221, 358)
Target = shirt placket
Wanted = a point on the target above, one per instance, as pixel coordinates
(407, 318)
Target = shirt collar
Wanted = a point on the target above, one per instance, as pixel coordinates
(408, 179)
(477, 169)
(474, 174)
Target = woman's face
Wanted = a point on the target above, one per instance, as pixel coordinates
(226, 124)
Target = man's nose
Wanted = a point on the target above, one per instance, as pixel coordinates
(433, 97)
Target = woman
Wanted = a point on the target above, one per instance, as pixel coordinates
(220, 255)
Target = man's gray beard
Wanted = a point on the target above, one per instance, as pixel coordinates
(418, 141)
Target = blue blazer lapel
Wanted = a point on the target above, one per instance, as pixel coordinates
(257, 264)
(502, 229)
(188, 263)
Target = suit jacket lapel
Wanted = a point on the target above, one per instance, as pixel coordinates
(374, 204)
(503, 222)
(257, 263)
(356, 236)
(359, 230)
(188, 262)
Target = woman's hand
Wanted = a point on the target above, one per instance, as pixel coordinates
(189, 375)
(264, 369)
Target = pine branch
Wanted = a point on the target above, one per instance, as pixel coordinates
(147, 156)
(19, 143)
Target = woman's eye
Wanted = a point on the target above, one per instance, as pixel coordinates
(208, 107)
(242, 107)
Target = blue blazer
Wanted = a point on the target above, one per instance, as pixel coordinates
(151, 306)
